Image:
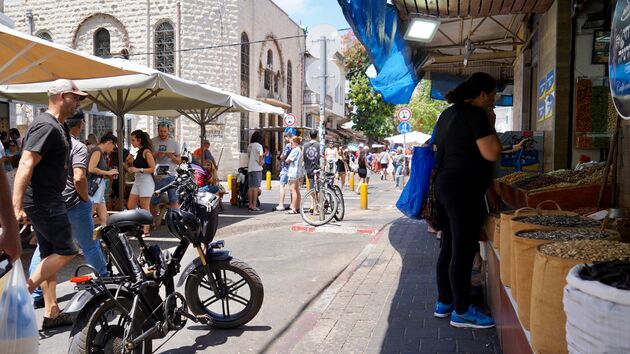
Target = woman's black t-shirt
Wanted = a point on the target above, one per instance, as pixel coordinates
(140, 161)
(456, 134)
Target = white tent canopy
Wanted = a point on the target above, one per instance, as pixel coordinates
(410, 138)
(27, 59)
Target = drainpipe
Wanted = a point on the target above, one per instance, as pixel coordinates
(29, 21)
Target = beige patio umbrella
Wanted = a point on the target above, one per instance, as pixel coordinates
(27, 59)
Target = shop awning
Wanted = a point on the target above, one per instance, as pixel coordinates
(471, 8)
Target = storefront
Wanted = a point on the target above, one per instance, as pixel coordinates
(554, 54)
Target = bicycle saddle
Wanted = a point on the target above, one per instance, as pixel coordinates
(130, 218)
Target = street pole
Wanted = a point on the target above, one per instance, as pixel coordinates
(402, 178)
(322, 119)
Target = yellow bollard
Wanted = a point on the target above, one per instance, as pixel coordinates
(229, 179)
(363, 190)
(351, 181)
(268, 180)
(234, 191)
(308, 184)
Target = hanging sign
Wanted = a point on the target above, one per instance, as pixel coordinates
(404, 114)
(619, 59)
(289, 119)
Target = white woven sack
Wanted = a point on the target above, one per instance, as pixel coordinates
(598, 316)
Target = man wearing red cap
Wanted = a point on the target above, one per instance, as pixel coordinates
(39, 183)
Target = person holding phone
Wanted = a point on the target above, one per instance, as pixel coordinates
(165, 152)
(98, 169)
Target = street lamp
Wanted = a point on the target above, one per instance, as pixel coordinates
(422, 29)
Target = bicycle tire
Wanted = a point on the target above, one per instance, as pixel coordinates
(310, 203)
(341, 205)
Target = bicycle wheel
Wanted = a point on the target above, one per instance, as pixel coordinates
(310, 207)
(341, 205)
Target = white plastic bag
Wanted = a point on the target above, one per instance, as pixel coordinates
(18, 325)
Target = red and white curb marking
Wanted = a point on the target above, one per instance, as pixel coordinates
(335, 229)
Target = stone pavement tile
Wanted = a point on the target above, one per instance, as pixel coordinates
(325, 348)
(320, 331)
(419, 332)
(434, 345)
(363, 329)
(372, 313)
(351, 309)
(455, 333)
(355, 345)
(467, 345)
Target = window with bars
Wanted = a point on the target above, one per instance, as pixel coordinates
(244, 64)
(309, 120)
(45, 36)
(290, 85)
(244, 135)
(102, 43)
(165, 48)
(269, 70)
(276, 82)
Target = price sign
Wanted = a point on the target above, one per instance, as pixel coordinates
(404, 114)
(619, 59)
(289, 119)
(404, 127)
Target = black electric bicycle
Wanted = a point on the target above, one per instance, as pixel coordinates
(123, 313)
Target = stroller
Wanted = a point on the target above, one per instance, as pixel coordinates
(243, 188)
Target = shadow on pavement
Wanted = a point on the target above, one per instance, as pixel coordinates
(214, 338)
(411, 325)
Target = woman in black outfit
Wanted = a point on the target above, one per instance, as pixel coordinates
(466, 147)
(143, 167)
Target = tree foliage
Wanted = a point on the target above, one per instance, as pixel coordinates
(425, 110)
(371, 115)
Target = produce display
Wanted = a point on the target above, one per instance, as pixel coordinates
(556, 179)
(594, 115)
(593, 250)
(564, 235)
(586, 211)
(614, 273)
(558, 220)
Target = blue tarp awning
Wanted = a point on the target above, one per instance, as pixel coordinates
(378, 27)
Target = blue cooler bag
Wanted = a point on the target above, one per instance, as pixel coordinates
(415, 192)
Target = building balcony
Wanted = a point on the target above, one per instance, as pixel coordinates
(312, 98)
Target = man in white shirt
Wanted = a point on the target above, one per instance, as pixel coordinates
(331, 157)
(165, 152)
(254, 170)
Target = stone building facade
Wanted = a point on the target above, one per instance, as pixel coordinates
(194, 39)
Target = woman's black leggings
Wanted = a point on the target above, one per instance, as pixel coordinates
(460, 217)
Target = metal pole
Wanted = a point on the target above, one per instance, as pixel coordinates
(322, 119)
(402, 177)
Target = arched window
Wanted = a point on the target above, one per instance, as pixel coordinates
(269, 70)
(244, 135)
(290, 84)
(276, 82)
(165, 48)
(101, 43)
(45, 36)
(244, 64)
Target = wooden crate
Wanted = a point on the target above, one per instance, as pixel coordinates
(569, 198)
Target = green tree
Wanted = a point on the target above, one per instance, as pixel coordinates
(371, 115)
(425, 110)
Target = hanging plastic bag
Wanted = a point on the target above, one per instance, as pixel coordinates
(415, 192)
(18, 325)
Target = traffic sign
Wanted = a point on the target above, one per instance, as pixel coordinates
(290, 130)
(404, 114)
(289, 119)
(404, 127)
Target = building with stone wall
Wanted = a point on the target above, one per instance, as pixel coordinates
(196, 40)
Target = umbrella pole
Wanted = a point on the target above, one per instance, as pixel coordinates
(121, 163)
(203, 137)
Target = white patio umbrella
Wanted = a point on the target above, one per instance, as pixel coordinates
(410, 138)
(26, 59)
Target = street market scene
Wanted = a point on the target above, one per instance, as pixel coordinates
(300, 176)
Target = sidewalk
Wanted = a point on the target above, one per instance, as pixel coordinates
(383, 303)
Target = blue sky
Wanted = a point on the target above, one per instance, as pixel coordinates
(314, 12)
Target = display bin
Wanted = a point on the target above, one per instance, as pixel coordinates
(569, 198)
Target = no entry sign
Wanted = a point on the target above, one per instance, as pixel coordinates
(289, 119)
(404, 114)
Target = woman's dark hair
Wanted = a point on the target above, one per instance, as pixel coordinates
(256, 137)
(109, 137)
(472, 88)
(145, 142)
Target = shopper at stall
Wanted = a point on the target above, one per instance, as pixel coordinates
(467, 146)
(143, 166)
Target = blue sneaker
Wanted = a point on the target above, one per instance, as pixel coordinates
(443, 310)
(471, 319)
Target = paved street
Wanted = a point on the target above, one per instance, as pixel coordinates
(363, 285)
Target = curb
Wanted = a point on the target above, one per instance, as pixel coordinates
(335, 229)
(307, 320)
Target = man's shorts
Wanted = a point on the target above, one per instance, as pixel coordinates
(284, 177)
(254, 178)
(172, 193)
(52, 228)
